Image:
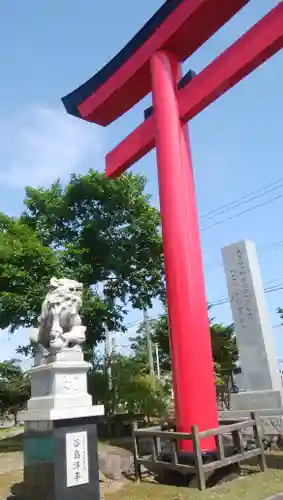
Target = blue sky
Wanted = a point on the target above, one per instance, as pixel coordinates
(49, 48)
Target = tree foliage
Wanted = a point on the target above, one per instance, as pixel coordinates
(25, 269)
(14, 387)
(224, 347)
(108, 231)
(223, 342)
(130, 389)
(100, 232)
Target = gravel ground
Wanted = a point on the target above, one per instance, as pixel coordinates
(10, 462)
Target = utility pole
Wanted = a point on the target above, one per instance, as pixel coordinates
(157, 360)
(113, 345)
(148, 342)
(108, 352)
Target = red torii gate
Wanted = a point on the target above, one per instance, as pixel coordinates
(151, 61)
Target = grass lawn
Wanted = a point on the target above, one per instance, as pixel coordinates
(5, 431)
(253, 485)
(257, 486)
(11, 443)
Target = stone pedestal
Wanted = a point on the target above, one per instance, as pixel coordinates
(60, 460)
(256, 400)
(60, 441)
(253, 330)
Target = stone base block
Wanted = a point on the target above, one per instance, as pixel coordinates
(256, 400)
(60, 413)
(61, 384)
(61, 460)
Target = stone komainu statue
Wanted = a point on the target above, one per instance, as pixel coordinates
(60, 325)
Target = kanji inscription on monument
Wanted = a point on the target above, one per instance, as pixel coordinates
(253, 329)
(77, 472)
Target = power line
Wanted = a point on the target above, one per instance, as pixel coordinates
(225, 300)
(243, 199)
(271, 246)
(139, 321)
(128, 346)
(274, 280)
(275, 245)
(216, 302)
(254, 207)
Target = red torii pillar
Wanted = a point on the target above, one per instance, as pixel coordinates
(192, 366)
(151, 61)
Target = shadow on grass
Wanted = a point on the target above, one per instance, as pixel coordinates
(226, 474)
(178, 480)
(13, 443)
(274, 461)
(17, 492)
(126, 443)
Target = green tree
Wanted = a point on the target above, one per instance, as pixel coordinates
(131, 390)
(108, 231)
(223, 342)
(98, 385)
(25, 269)
(224, 347)
(97, 231)
(14, 387)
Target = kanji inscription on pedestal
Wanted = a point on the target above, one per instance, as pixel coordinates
(77, 470)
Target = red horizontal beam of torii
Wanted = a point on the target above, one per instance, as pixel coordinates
(187, 25)
(260, 43)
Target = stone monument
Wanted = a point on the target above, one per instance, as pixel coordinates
(253, 330)
(60, 441)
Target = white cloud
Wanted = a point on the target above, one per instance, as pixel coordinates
(44, 144)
